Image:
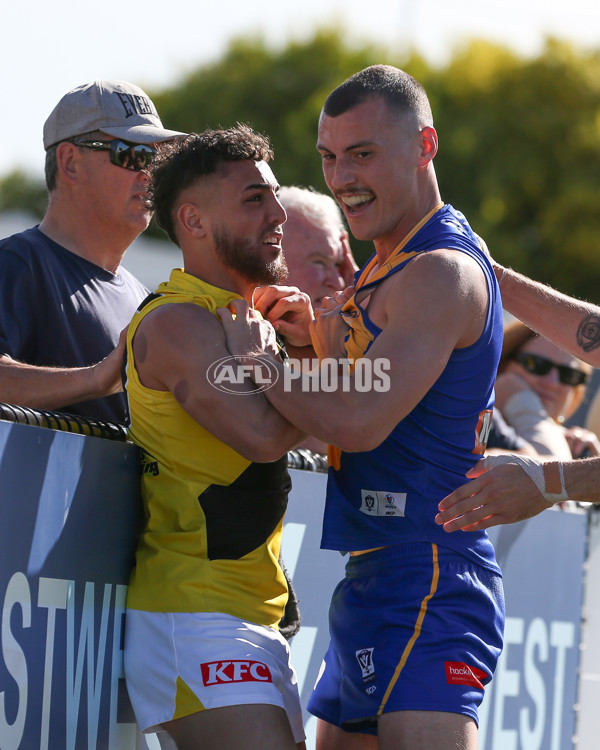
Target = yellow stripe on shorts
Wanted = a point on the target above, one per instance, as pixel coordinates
(417, 630)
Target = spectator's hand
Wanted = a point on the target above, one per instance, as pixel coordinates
(583, 443)
(107, 374)
(246, 332)
(288, 309)
(497, 495)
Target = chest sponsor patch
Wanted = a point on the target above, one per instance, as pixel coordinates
(459, 673)
(379, 503)
(226, 672)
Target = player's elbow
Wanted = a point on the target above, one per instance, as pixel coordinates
(356, 435)
(357, 443)
(263, 449)
(264, 455)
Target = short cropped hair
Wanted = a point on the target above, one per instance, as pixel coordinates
(51, 165)
(316, 207)
(180, 163)
(398, 89)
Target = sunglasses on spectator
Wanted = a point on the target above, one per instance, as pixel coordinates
(136, 156)
(537, 365)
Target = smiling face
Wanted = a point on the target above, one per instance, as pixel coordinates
(559, 400)
(374, 160)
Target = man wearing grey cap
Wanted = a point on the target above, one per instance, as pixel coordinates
(64, 299)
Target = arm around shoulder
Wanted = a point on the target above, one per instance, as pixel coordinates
(176, 348)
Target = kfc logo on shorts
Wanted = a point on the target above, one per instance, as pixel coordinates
(459, 673)
(225, 672)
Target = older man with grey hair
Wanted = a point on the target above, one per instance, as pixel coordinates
(317, 252)
(64, 297)
(315, 244)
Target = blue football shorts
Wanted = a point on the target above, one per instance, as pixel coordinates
(413, 627)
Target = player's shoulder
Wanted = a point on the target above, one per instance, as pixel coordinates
(443, 265)
(167, 318)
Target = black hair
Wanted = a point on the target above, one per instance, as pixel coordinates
(180, 163)
(398, 89)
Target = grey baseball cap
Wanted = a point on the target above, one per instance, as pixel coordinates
(117, 108)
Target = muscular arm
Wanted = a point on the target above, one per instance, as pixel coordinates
(57, 387)
(437, 303)
(571, 324)
(174, 347)
(25, 308)
(506, 494)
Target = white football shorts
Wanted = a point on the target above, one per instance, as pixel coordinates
(179, 663)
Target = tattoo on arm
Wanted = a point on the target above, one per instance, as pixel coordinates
(588, 333)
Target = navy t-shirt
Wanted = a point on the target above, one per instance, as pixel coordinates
(60, 310)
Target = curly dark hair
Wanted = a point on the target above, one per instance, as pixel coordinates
(182, 162)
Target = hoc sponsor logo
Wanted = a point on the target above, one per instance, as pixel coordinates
(459, 673)
(227, 375)
(226, 672)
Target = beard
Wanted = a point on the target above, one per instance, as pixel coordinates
(245, 258)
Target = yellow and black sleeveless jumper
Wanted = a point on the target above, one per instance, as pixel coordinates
(213, 519)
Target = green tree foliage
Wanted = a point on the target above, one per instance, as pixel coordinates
(20, 192)
(277, 92)
(519, 138)
(520, 155)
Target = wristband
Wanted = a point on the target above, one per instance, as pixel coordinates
(548, 477)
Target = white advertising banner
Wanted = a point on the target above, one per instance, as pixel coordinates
(69, 514)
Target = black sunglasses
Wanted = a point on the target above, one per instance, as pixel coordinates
(537, 365)
(136, 156)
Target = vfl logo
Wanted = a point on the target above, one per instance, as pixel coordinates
(226, 672)
(365, 661)
(380, 503)
(226, 373)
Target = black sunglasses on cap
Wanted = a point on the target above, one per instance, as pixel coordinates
(136, 156)
(537, 365)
